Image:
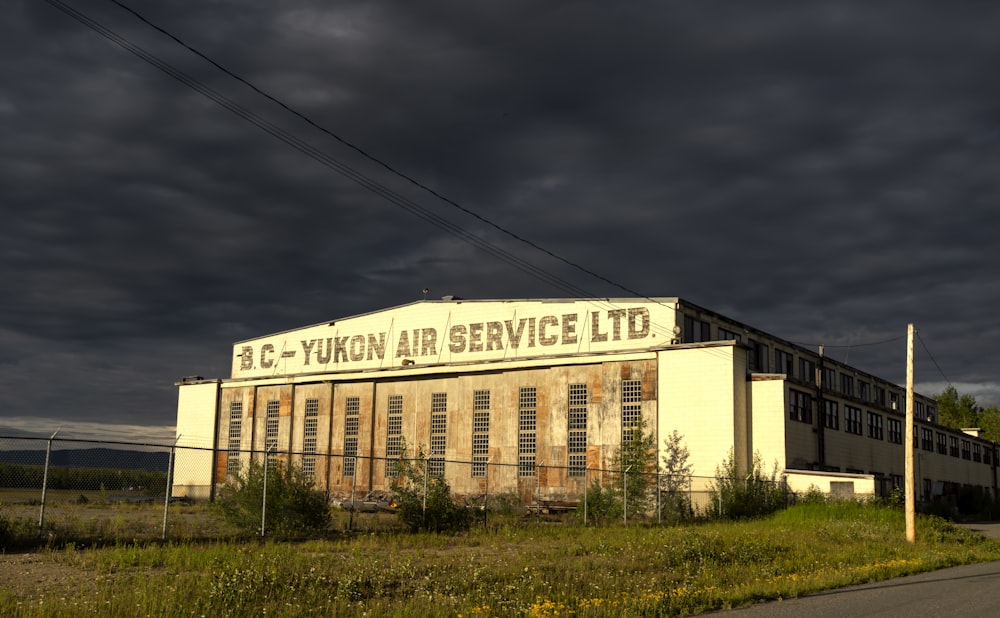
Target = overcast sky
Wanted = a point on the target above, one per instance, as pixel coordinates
(824, 171)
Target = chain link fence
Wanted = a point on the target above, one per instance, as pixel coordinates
(110, 491)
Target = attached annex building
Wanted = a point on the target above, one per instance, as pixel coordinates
(533, 396)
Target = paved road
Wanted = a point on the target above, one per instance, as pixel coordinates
(971, 590)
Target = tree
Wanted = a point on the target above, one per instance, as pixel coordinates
(956, 411)
(294, 505)
(675, 478)
(962, 411)
(425, 501)
(636, 459)
(631, 480)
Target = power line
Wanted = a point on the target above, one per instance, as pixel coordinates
(352, 174)
(321, 157)
(850, 345)
(377, 160)
(933, 360)
(394, 170)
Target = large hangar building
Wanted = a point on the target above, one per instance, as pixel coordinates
(534, 396)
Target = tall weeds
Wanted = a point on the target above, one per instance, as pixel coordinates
(512, 571)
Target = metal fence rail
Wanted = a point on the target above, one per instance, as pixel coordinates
(116, 490)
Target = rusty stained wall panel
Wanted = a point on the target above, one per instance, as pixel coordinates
(361, 482)
(416, 420)
(603, 382)
(227, 396)
(323, 394)
(283, 395)
(221, 463)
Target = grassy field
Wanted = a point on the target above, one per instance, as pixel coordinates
(507, 570)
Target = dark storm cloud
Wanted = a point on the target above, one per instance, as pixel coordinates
(823, 171)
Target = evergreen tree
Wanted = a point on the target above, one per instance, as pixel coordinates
(675, 478)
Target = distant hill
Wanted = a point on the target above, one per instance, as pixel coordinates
(91, 458)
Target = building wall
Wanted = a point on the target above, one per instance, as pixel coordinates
(699, 398)
(769, 436)
(196, 405)
(724, 386)
(369, 400)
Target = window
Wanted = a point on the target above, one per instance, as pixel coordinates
(577, 413)
(631, 407)
(953, 446)
(942, 443)
(931, 414)
(439, 433)
(875, 425)
(864, 392)
(918, 410)
(988, 455)
(926, 439)
(830, 379)
(480, 432)
(807, 371)
(352, 408)
(894, 428)
(393, 434)
(271, 432)
(831, 415)
(756, 357)
(309, 431)
(695, 331)
(527, 410)
(799, 406)
(783, 362)
(896, 403)
(847, 384)
(235, 438)
(728, 335)
(880, 396)
(977, 452)
(852, 420)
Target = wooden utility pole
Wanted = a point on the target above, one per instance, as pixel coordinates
(911, 481)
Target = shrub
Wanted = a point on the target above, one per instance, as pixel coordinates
(425, 501)
(16, 531)
(739, 495)
(604, 504)
(294, 505)
(813, 495)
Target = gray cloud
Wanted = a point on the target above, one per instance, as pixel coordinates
(825, 172)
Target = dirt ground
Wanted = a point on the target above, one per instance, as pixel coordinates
(34, 575)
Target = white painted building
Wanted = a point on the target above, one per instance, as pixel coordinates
(531, 396)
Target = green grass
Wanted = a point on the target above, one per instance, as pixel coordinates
(508, 571)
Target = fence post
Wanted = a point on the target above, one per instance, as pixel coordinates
(263, 503)
(586, 487)
(354, 485)
(45, 480)
(423, 513)
(659, 511)
(486, 493)
(538, 492)
(625, 495)
(169, 488)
